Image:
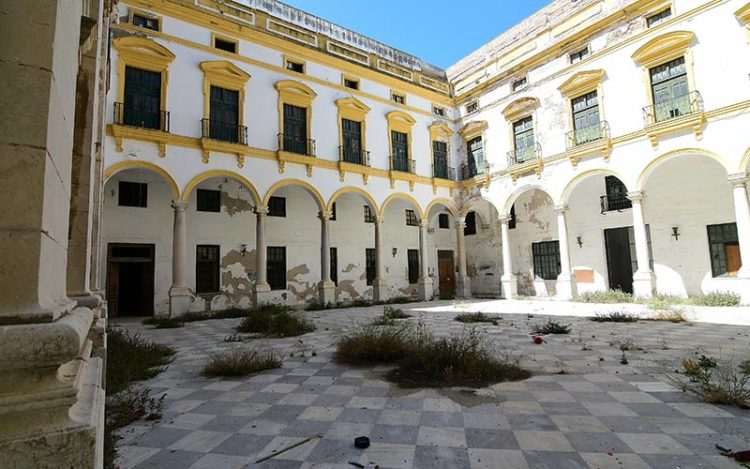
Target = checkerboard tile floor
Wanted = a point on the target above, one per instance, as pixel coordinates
(582, 409)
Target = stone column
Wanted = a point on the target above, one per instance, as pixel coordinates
(644, 281)
(463, 285)
(566, 284)
(425, 281)
(508, 279)
(261, 289)
(379, 285)
(742, 217)
(179, 292)
(326, 287)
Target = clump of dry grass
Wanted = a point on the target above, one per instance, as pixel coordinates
(477, 317)
(240, 361)
(276, 321)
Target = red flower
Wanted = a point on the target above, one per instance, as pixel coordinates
(538, 340)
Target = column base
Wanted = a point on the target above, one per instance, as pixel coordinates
(425, 289)
(644, 284)
(509, 286)
(379, 290)
(327, 292)
(463, 287)
(179, 301)
(262, 294)
(566, 287)
(87, 299)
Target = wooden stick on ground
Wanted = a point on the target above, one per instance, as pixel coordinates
(284, 450)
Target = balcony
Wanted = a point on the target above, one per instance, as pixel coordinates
(443, 172)
(524, 161)
(293, 144)
(587, 141)
(224, 131)
(614, 203)
(673, 115)
(145, 118)
(403, 165)
(354, 161)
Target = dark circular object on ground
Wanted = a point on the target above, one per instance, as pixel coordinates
(362, 442)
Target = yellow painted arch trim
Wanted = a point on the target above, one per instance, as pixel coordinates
(515, 195)
(295, 87)
(401, 195)
(573, 183)
(123, 165)
(745, 158)
(220, 173)
(468, 207)
(674, 153)
(447, 203)
(296, 182)
(355, 190)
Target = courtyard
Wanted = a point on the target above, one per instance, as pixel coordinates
(604, 395)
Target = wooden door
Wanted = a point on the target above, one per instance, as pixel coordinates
(130, 279)
(734, 262)
(446, 273)
(619, 262)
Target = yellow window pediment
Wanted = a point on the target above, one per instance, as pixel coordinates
(225, 73)
(295, 93)
(743, 14)
(440, 131)
(520, 108)
(142, 52)
(664, 48)
(399, 121)
(352, 108)
(581, 83)
(472, 129)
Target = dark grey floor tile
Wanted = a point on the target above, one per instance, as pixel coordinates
(433, 457)
(487, 438)
(243, 445)
(554, 460)
(441, 419)
(530, 422)
(161, 437)
(395, 434)
(170, 459)
(597, 442)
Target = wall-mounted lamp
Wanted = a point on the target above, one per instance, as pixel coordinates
(579, 240)
(243, 249)
(676, 233)
(395, 251)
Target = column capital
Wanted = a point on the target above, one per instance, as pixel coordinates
(460, 223)
(738, 179)
(504, 219)
(261, 210)
(423, 223)
(561, 209)
(179, 205)
(325, 215)
(636, 196)
(379, 218)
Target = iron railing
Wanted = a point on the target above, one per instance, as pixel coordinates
(227, 132)
(471, 169)
(690, 103)
(349, 155)
(588, 134)
(147, 118)
(615, 202)
(402, 165)
(443, 172)
(521, 156)
(293, 144)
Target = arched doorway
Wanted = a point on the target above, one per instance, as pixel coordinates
(442, 263)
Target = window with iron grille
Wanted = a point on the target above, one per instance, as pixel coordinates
(724, 249)
(370, 265)
(206, 268)
(146, 22)
(335, 266)
(546, 259)
(142, 99)
(411, 218)
(276, 267)
(225, 45)
(586, 118)
(474, 155)
(523, 139)
(657, 18)
(471, 224)
(440, 159)
(209, 200)
(224, 114)
(579, 55)
(352, 139)
(295, 129)
(400, 151)
(398, 98)
(518, 84)
(617, 195)
(670, 90)
(444, 221)
(412, 258)
(333, 212)
(132, 194)
(369, 216)
(277, 207)
(512, 221)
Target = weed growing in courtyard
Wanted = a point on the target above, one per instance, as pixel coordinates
(477, 317)
(615, 316)
(662, 301)
(716, 299)
(164, 322)
(551, 327)
(390, 314)
(276, 321)
(672, 315)
(240, 361)
(228, 313)
(372, 344)
(718, 381)
(608, 297)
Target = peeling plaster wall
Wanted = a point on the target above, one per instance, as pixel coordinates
(484, 263)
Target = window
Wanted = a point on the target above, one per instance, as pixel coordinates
(370, 265)
(224, 115)
(444, 221)
(142, 99)
(206, 269)
(333, 212)
(335, 266)
(400, 151)
(352, 83)
(475, 155)
(411, 218)
(352, 139)
(440, 159)
(523, 139)
(669, 87)
(276, 267)
(277, 207)
(519, 84)
(724, 249)
(657, 18)
(369, 217)
(295, 66)
(617, 195)
(546, 259)
(471, 224)
(438, 111)
(295, 130)
(586, 118)
(209, 200)
(472, 107)
(398, 98)
(579, 55)
(132, 194)
(225, 45)
(512, 221)
(412, 260)
(147, 22)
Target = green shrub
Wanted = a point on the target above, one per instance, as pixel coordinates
(615, 316)
(240, 361)
(551, 327)
(318, 306)
(671, 315)
(719, 381)
(164, 322)
(276, 321)
(361, 303)
(476, 317)
(398, 300)
(608, 297)
(716, 299)
(133, 358)
(372, 344)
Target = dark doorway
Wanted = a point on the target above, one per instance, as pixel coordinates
(130, 279)
(619, 260)
(446, 273)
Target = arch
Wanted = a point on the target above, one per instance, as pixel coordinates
(573, 183)
(123, 165)
(296, 182)
(447, 203)
(663, 48)
(219, 173)
(520, 107)
(471, 206)
(401, 195)
(675, 153)
(518, 193)
(744, 161)
(355, 190)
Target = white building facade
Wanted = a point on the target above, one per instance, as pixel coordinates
(256, 154)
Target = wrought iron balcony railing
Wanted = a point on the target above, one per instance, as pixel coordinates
(349, 155)
(147, 118)
(588, 134)
(403, 165)
(443, 172)
(470, 170)
(293, 144)
(616, 202)
(227, 132)
(524, 155)
(690, 103)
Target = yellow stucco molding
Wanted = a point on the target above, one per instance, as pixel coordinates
(220, 173)
(579, 178)
(520, 108)
(448, 204)
(143, 52)
(440, 131)
(473, 129)
(581, 83)
(123, 165)
(743, 14)
(653, 164)
(309, 188)
(664, 48)
(356, 190)
(402, 196)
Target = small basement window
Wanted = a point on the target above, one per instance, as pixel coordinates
(398, 98)
(472, 107)
(438, 111)
(295, 66)
(579, 55)
(146, 22)
(519, 84)
(225, 45)
(351, 83)
(660, 17)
